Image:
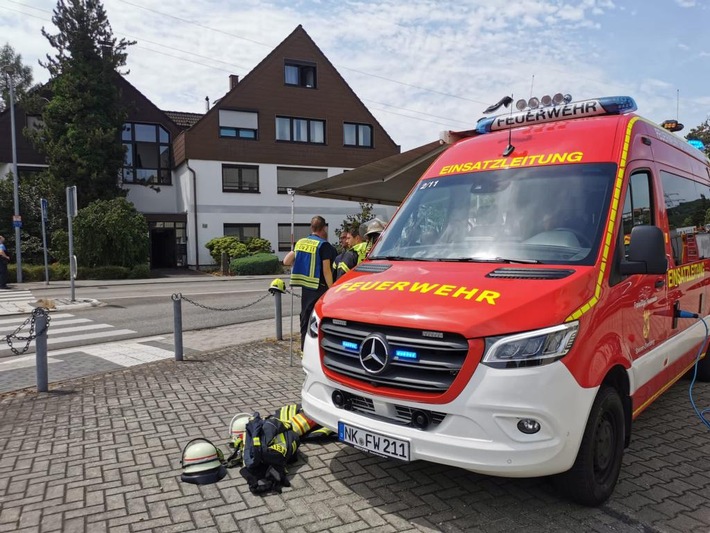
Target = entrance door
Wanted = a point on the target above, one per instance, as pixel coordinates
(162, 248)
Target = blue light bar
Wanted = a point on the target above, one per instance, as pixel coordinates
(695, 143)
(405, 354)
(350, 345)
(607, 105)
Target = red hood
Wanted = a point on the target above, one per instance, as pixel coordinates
(459, 297)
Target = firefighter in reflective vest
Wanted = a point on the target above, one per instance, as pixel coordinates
(345, 238)
(357, 250)
(312, 261)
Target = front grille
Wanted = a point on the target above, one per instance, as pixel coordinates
(431, 366)
(402, 413)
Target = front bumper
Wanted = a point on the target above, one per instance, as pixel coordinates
(479, 432)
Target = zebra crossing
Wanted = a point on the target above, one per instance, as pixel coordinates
(63, 328)
(16, 300)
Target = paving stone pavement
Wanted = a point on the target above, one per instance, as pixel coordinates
(102, 453)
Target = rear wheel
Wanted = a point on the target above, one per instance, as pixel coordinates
(592, 478)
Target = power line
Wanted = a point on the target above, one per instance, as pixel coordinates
(140, 40)
(162, 14)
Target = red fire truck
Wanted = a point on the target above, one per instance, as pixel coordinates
(525, 303)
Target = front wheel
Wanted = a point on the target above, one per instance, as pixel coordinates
(592, 478)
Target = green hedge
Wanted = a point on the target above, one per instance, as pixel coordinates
(58, 271)
(255, 264)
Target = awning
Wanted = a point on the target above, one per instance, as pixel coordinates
(386, 181)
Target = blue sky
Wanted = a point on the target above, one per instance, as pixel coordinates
(420, 66)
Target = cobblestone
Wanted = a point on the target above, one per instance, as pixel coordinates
(102, 453)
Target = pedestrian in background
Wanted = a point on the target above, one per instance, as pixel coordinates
(4, 260)
(312, 260)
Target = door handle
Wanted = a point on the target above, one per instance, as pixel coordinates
(660, 283)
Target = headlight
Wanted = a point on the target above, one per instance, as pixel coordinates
(531, 348)
(313, 325)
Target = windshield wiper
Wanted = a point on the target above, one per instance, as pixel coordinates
(492, 260)
(399, 258)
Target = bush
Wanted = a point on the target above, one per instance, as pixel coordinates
(110, 232)
(256, 245)
(255, 264)
(140, 272)
(231, 245)
(58, 271)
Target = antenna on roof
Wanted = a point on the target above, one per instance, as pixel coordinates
(677, 104)
(532, 82)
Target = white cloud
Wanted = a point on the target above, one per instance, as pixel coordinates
(420, 68)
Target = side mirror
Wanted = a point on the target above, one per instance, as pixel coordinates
(647, 252)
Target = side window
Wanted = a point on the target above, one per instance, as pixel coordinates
(637, 206)
(687, 203)
(637, 211)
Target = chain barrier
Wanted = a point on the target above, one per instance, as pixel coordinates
(32, 335)
(293, 293)
(179, 296)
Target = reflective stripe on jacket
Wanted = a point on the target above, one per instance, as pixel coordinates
(307, 266)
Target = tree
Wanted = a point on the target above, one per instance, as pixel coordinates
(111, 232)
(701, 133)
(83, 120)
(352, 222)
(22, 76)
(34, 187)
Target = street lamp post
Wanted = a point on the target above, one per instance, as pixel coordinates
(16, 221)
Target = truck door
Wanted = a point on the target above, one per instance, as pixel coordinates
(647, 313)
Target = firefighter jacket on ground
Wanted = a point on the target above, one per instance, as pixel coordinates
(307, 265)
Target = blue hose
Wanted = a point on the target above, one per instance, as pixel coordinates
(701, 414)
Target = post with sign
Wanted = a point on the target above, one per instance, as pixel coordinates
(71, 213)
(43, 206)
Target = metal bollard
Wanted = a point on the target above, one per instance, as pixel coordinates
(41, 352)
(177, 314)
(277, 301)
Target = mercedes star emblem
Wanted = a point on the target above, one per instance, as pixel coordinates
(374, 354)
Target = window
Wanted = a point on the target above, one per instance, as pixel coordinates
(147, 154)
(240, 178)
(300, 74)
(357, 135)
(301, 130)
(238, 124)
(686, 204)
(299, 231)
(293, 178)
(242, 231)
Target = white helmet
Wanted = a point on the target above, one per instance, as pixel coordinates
(237, 427)
(202, 462)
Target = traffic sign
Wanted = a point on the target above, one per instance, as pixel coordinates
(16, 218)
(17, 223)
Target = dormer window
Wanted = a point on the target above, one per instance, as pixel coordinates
(300, 74)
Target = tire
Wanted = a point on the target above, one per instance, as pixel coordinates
(592, 478)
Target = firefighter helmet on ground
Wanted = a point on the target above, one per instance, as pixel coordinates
(202, 462)
(237, 427)
(277, 285)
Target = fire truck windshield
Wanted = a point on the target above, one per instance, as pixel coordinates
(547, 214)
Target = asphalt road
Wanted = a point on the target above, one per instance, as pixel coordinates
(148, 309)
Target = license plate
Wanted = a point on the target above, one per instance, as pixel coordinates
(375, 443)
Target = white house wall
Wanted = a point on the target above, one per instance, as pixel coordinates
(149, 201)
(266, 208)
